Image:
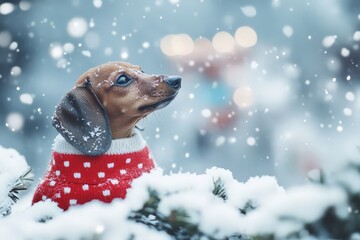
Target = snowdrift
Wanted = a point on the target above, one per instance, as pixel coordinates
(212, 205)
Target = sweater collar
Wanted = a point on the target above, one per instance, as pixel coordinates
(132, 144)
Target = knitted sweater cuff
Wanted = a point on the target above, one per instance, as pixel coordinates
(134, 143)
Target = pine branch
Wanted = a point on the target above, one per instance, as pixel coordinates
(219, 189)
(21, 184)
(177, 224)
(249, 206)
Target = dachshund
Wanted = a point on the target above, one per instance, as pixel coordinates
(99, 151)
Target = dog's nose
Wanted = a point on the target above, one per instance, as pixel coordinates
(174, 81)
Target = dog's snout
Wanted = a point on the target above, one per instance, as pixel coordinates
(174, 81)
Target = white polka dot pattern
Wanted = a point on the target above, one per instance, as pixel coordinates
(106, 193)
(114, 181)
(67, 190)
(101, 174)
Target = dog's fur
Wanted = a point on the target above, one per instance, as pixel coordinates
(98, 110)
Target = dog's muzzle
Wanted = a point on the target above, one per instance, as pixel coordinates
(174, 82)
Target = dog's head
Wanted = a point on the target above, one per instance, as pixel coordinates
(107, 102)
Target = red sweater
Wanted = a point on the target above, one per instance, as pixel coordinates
(73, 178)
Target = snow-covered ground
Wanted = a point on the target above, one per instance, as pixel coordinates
(212, 205)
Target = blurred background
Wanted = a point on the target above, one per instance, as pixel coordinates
(269, 87)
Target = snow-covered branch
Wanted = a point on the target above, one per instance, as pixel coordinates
(14, 177)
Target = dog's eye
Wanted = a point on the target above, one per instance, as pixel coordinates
(123, 80)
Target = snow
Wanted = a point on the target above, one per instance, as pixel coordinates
(284, 214)
(69, 47)
(257, 191)
(13, 46)
(6, 8)
(345, 52)
(288, 31)
(86, 53)
(12, 166)
(145, 44)
(15, 71)
(24, 5)
(92, 40)
(124, 55)
(206, 113)
(251, 141)
(56, 51)
(97, 3)
(350, 96)
(26, 98)
(77, 27)
(15, 121)
(83, 222)
(347, 111)
(5, 39)
(254, 65)
(257, 207)
(356, 36)
(249, 11)
(328, 41)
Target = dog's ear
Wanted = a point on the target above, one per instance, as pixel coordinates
(81, 119)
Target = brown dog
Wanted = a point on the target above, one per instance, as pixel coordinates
(114, 97)
(99, 153)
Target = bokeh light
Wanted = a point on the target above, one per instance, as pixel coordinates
(5, 38)
(56, 51)
(6, 8)
(26, 98)
(249, 11)
(15, 71)
(92, 40)
(243, 97)
(15, 121)
(177, 45)
(288, 31)
(246, 36)
(69, 47)
(223, 42)
(77, 27)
